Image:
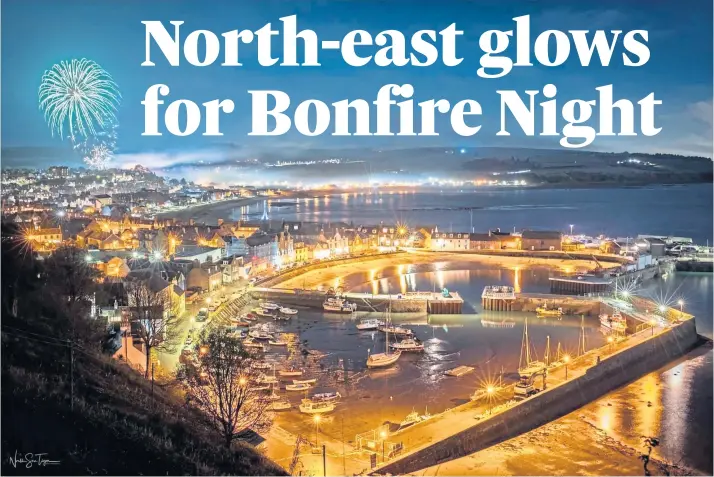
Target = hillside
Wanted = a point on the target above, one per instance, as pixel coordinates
(116, 427)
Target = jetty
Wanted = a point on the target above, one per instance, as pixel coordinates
(435, 303)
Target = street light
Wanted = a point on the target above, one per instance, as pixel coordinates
(625, 293)
(383, 435)
(681, 305)
(317, 426)
(610, 340)
(566, 360)
(203, 350)
(662, 308)
(652, 325)
(490, 390)
(571, 229)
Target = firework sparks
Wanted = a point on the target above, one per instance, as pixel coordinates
(98, 157)
(78, 97)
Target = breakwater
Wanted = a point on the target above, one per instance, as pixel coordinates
(644, 354)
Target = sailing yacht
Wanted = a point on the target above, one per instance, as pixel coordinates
(526, 365)
(382, 360)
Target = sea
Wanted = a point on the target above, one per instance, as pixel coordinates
(674, 403)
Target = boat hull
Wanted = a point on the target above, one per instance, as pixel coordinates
(382, 360)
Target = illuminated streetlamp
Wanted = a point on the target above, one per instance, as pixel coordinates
(625, 293)
(662, 308)
(571, 229)
(203, 350)
(316, 419)
(490, 390)
(566, 360)
(681, 305)
(242, 381)
(383, 435)
(610, 340)
(652, 325)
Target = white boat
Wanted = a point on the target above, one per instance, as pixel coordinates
(266, 380)
(288, 373)
(498, 324)
(311, 407)
(297, 387)
(338, 305)
(408, 344)
(259, 388)
(382, 360)
(366, 325)
(288, 311)
(412, 418)
(272, 397)
(260, 335)
(326, 397)
(269, 306)
(264, 313)
(260, 365)
(305, 381)
(396, 330)
(280, 405)
(614, 322)
(277, 343)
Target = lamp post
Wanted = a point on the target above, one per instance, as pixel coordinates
(571, 230)
(383, 435)
(681, 306)
(317, 426)
(490, 390)
(566, 360)
(610, 340)
(652, 325)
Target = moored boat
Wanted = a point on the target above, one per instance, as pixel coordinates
(545, 311)
(288, 373)
(311, 407)
(269, 306)
(305, 381)
(326, 397)
(297, 387)
(277, 343)
(339, 305)
(408, 344)
(395, 330)
(615, 322)
(280, 405)
(366, 325)
(288, 311)
(382, 360)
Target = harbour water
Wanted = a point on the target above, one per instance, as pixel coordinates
(674, 404)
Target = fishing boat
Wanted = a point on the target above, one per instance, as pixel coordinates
(395, 330)
(366, 325)
(297, 387)
(264, 313)
(326, 397)
(242, 324)
(269, 306)
(408, 344)
(305, 381)
(288, 373)
(614, 323)
(250, 317)
(264, 379)
(249, 343)
(259, 388)
(288, 311)
(277, 343)
(339, 305)
(414, 417)
(260, 335)
(311, 407)
(382, 360)
(260, 365)
(545, 311)
(280, 406)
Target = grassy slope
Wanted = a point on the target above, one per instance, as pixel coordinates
(115, 428)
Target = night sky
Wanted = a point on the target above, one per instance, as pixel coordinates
(37, 34)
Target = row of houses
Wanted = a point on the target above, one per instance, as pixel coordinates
(495, 240)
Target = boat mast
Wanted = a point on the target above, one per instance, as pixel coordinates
(547, 350)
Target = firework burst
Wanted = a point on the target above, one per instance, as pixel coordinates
(98, 157)
(78, 98)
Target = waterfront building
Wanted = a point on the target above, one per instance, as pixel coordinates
(207, 277)
(541, 240)
(302, 253)
(232, 268)
(286, 250)
(450, 241)
(44, 239)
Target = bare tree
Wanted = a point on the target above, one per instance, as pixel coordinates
(151, 317)
(220, 382)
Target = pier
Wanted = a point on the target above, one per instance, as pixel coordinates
(412, 302)
(596, 284)
(495, 418)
